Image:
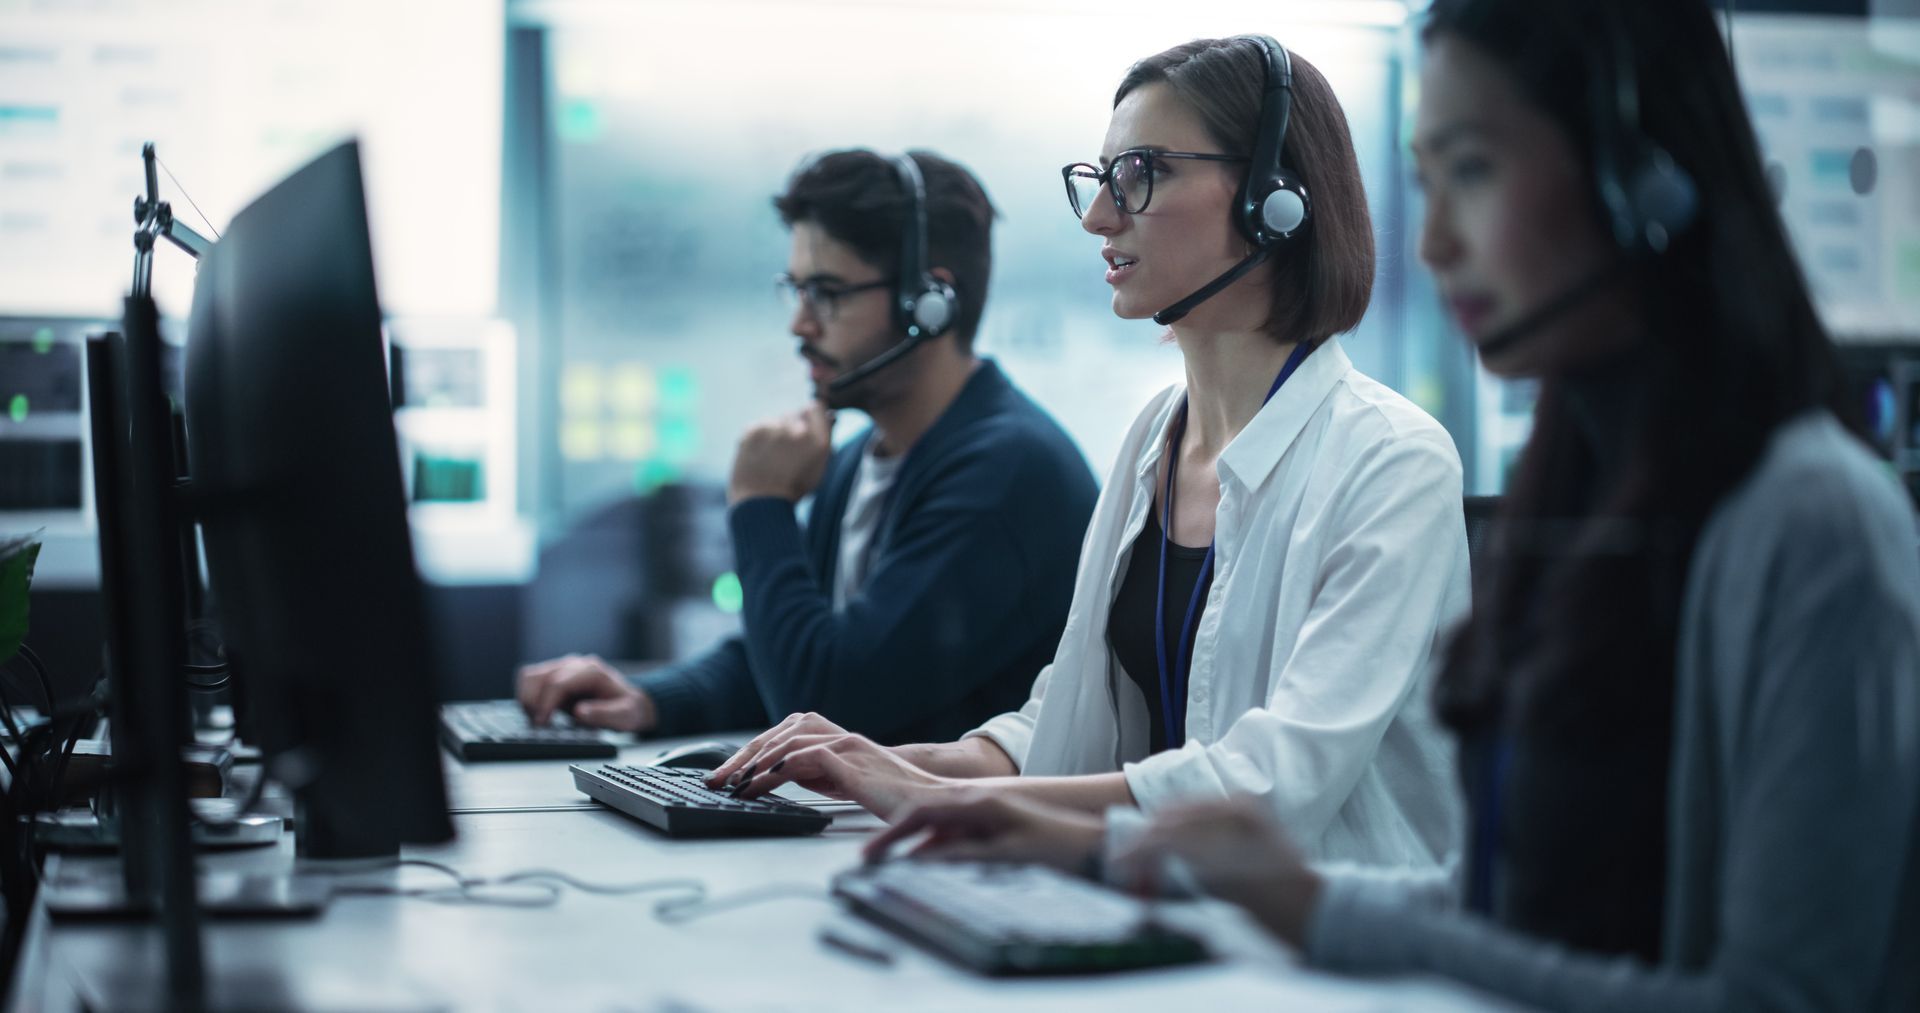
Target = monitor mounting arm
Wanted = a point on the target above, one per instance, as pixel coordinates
(153, 219)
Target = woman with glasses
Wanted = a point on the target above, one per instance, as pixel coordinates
(1688, 700)
(1280, 544)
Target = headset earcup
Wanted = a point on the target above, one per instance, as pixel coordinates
(933, 311)
(1665, 200)
(1283, 211)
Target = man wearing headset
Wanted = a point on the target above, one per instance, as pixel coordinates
(930, 581)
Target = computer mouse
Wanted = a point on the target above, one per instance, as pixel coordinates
(699, 755)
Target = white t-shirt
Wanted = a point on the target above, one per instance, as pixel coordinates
(866, 508)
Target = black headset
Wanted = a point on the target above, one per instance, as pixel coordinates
(1649, 199)
(923, 305)
(1273, 205)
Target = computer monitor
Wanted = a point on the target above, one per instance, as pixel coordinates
(297, 487)
(141, 581)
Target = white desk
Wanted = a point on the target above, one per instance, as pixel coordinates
(597, 952)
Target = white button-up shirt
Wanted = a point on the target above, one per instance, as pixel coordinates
(1340, 566)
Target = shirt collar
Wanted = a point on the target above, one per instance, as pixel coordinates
(1253, 454)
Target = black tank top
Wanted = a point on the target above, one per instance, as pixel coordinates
(1130, 624)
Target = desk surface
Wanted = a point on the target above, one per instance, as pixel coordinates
(611, 952)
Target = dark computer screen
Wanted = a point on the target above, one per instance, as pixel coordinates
(297, 486)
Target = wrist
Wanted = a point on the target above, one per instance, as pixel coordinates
(646, 712)
(1087, 845)
(1290, 904)
(918, 754)
(741, 492)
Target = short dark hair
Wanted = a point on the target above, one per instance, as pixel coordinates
(1325, 279)
(856, 197)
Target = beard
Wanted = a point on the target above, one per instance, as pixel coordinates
(859, 394)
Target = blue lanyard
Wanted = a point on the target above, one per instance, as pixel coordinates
(1174, 671)
(1486, 839)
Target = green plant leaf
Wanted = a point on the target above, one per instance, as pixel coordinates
(16, 572)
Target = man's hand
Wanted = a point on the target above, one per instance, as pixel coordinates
(783, 457)
(589, 689)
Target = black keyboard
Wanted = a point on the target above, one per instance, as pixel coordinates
(498, 730)
(1015, 919)
(677, 802)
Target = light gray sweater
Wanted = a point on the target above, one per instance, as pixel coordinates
(1793, 861)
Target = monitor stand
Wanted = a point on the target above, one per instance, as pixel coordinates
(82, 830)
(101, 895)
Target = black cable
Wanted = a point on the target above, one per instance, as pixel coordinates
(40, 669)
(189, 197)
(80, 714)
(37, 775)
(18, 878)
(66, 754)
(13, 732)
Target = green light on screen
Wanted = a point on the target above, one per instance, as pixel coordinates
(17, 408)
(1909, 271)
(43, 340)
(581, 122)
(727, 596)
(679, 388)
(679, 440)
(653, 474)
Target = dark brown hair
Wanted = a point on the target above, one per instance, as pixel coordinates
(856, 197)
(1324, 277)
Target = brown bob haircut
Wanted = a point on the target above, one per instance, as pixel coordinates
(1324, 275)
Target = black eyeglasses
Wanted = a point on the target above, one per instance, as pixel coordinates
(821, 298)
(1128, 178)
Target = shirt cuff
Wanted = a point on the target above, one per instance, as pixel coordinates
(676, 702)
(1125, 826)
(1354, 925)
(1013, 733)
(1172, 776)
(763, 527)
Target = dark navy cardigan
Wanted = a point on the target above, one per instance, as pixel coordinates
(965, 597)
